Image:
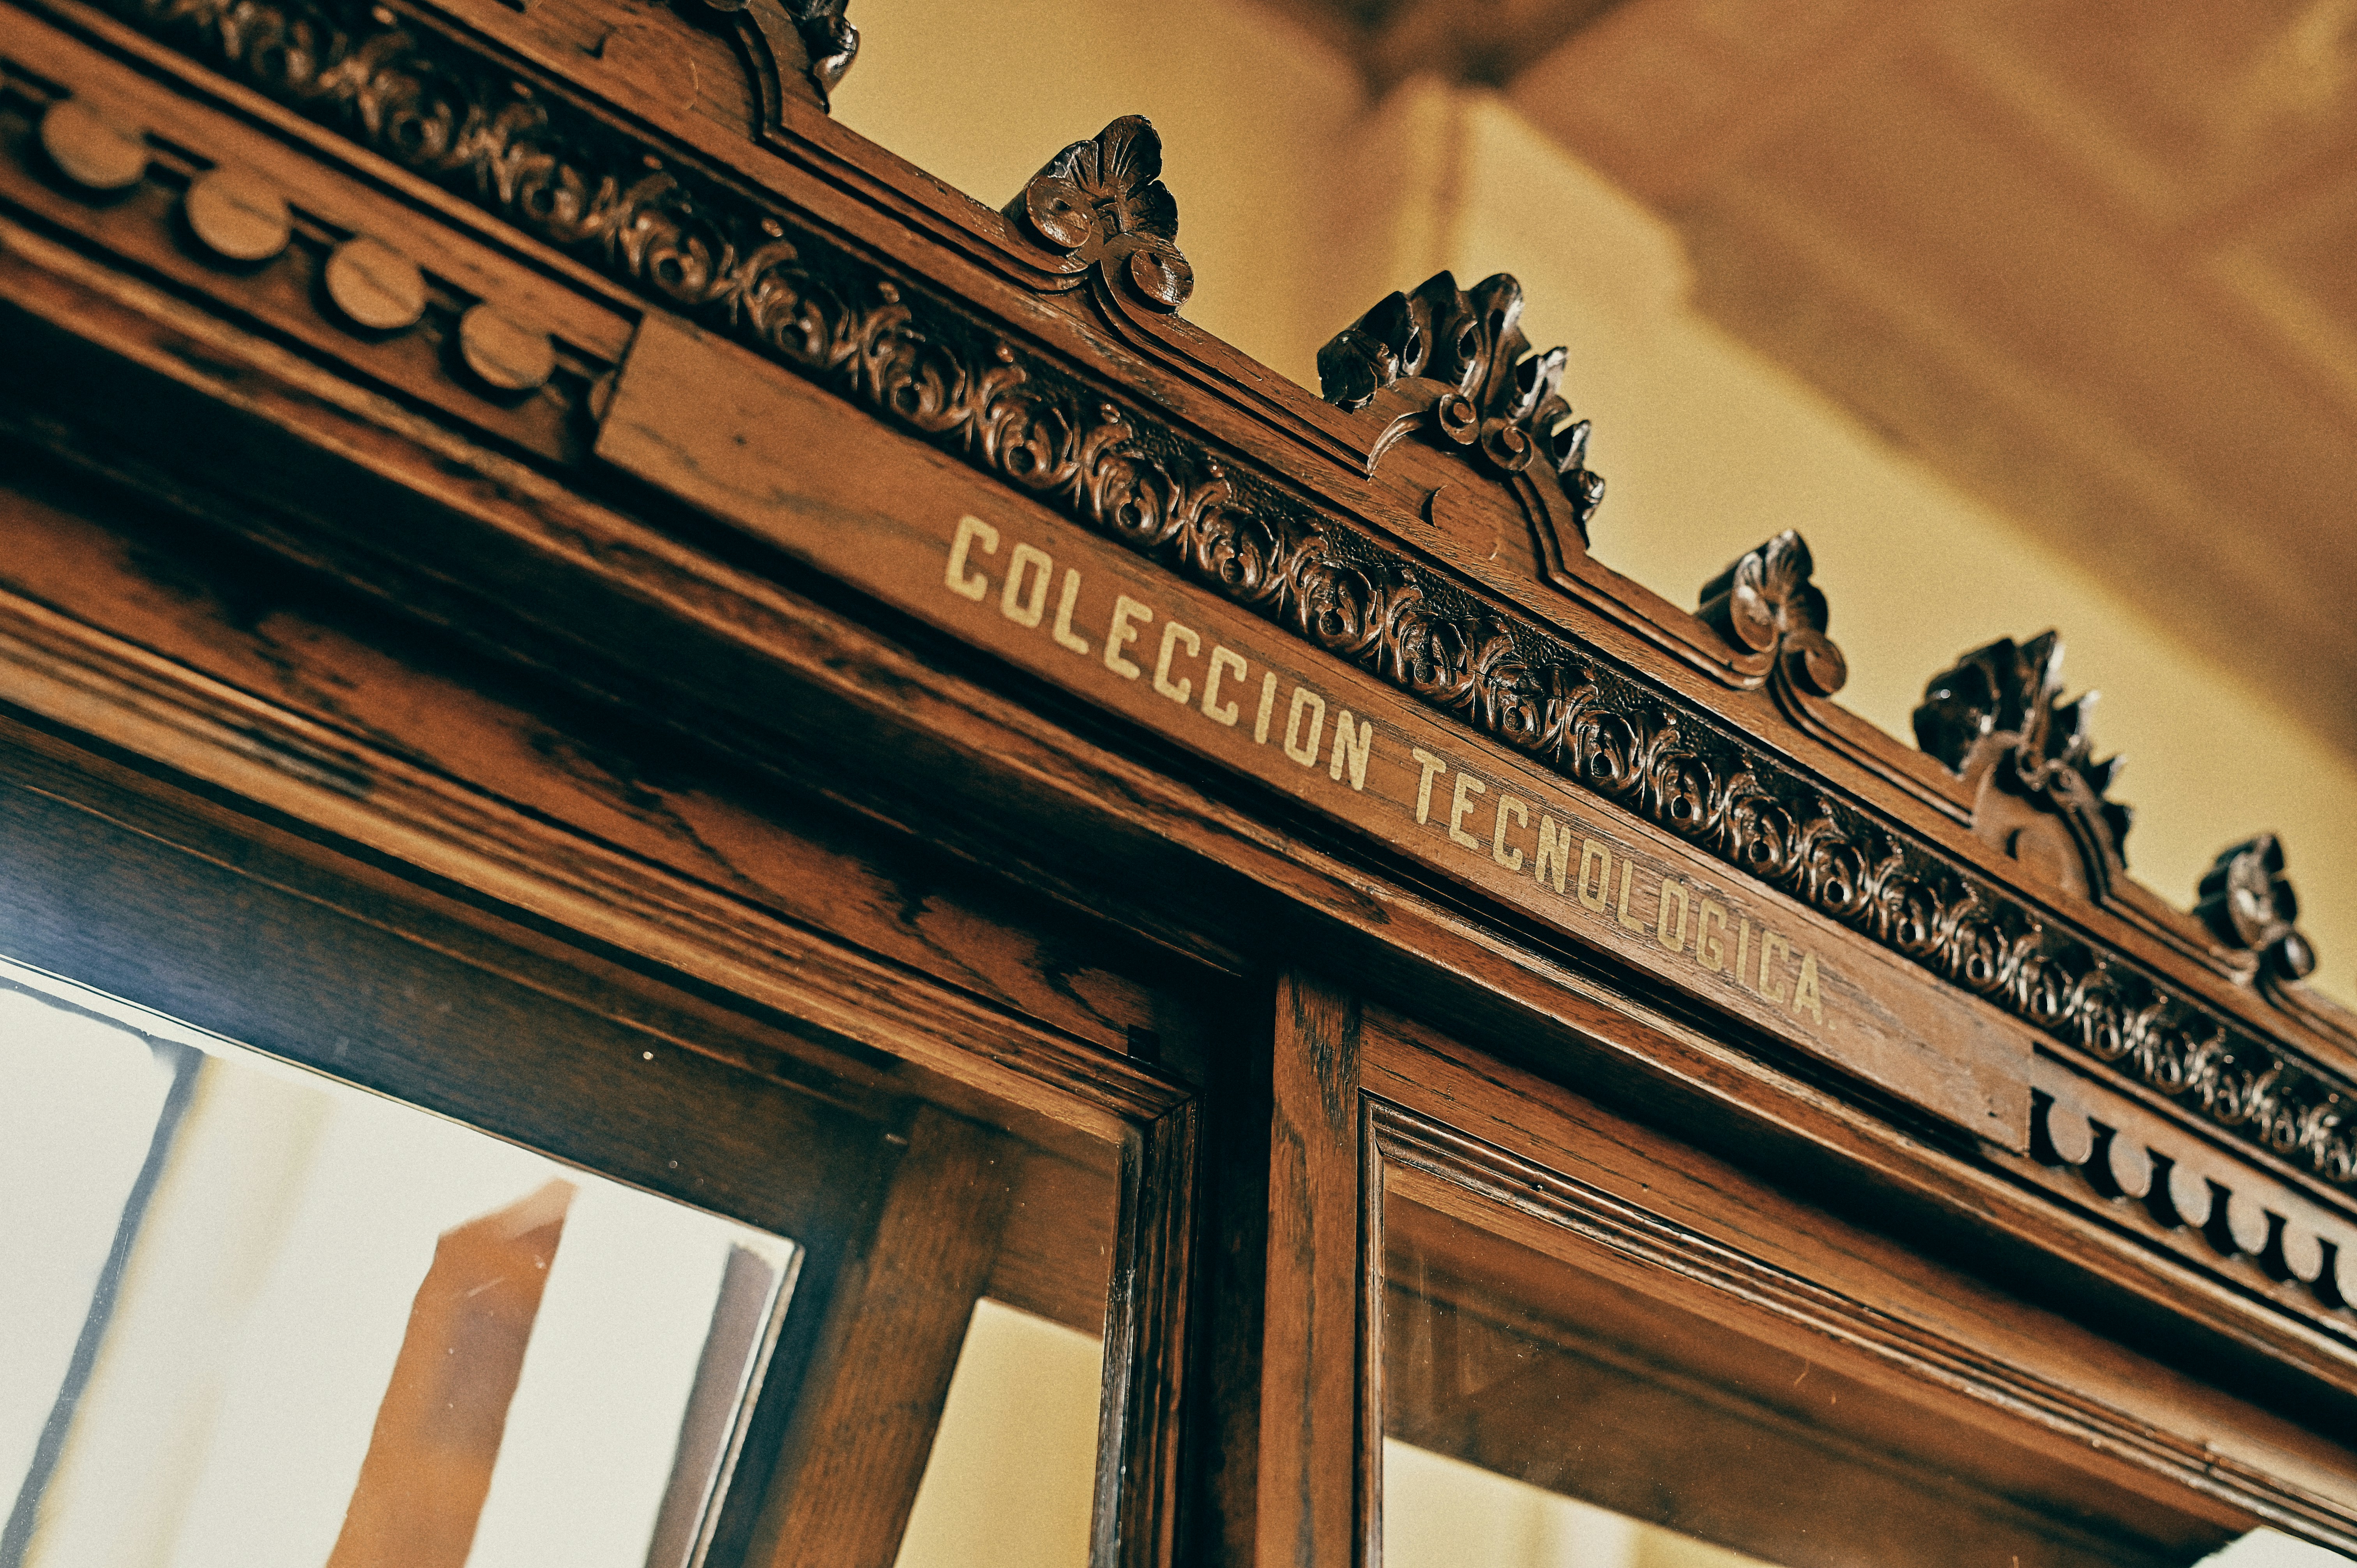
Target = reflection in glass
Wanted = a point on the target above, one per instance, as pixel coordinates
(1444, 1513)
(338, 1331)
(1549, 1401)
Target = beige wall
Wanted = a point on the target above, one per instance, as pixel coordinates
(1302, 204)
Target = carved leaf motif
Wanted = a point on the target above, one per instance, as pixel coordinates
(2247, 902)
(1765, 601)
(2002, 705)
(1487, 391)
(1103, 201)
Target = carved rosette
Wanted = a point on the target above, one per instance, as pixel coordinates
(2248, 904)
(1457, 364)
(1103, 202)
(748, 271)
(1764, 602)
(1997, 719)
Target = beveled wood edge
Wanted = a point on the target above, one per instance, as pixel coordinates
(1404, 1137)
(706, 594)
(2302, 1119)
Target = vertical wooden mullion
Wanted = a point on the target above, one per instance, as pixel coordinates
(1315, 1488)
(1370, 1405)
(857, 1448)
(1147, 1326)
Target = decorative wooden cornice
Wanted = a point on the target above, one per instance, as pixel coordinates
(1456, 364)
(1102, 201)
(749, 266)
(1765, 601)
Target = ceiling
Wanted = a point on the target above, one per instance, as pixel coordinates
(2095, 262)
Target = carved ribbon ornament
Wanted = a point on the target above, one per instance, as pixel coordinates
(2248, 903)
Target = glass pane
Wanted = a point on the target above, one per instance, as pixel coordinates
(284, 1323)
(1014, 1462)
(2272, 1549)
(1549, 1402)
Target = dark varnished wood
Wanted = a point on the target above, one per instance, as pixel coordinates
(435, 623)
(1316, 1482)
(856, 1452)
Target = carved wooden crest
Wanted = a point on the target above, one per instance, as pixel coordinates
(2248, 903)
(1997, 719)
(784, 38)
(1455, 363)
(1765, 601)
(1102, 201)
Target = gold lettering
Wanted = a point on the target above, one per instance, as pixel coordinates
(969, 530)
(1628, 872)
(1121, 634)
(1710, 947)
(1673, 940)
(1555, 851)
(1595, 855)
(1431, 766)
(1459, 807)
(1172, 632)
(1743, 955)
(1216, 711)
(1805, 997)
(1304, 753)
(1771, 944)
(1267, 707)
(1012, 604)
(1063, 634)
(1353, 747)
(1512, 859)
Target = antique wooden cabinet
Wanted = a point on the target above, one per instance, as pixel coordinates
(546, 580)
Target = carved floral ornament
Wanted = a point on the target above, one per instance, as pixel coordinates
(1103, 202)
(1455, 363)
(1765, 601)
(2248, 903)
(745, 266)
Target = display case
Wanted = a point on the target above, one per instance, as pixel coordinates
(715, 858)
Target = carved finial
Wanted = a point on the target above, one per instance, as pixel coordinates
(2002, 703)
(1103, 201)
(1457, 363)
(1765, 601)
(826, 39)
(2247, 902)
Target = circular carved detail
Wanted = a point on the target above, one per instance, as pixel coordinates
(375, 285)
(504, 355)
(237, 217)
(90, 150)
